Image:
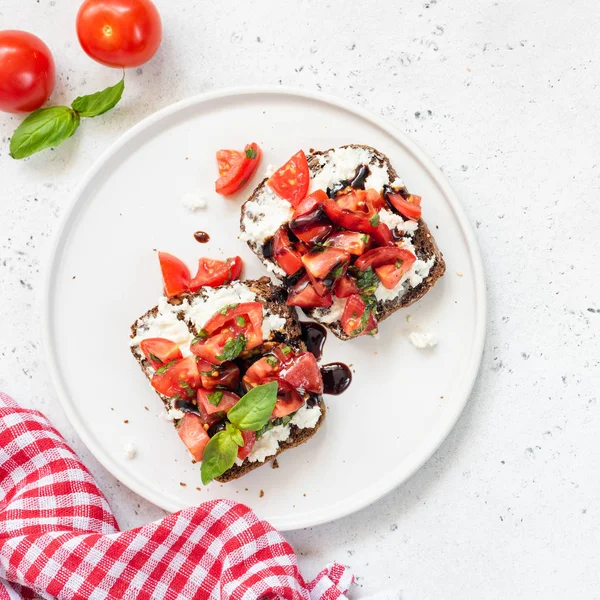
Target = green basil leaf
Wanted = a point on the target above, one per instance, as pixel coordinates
(100, 102)
(164, 368)
(44, 128)
(235, 433)
(268, 425)
(374, 220)
(367, 281)
(271, 360)
(155, 358)
(286, 349)
(240, 321)
(255, 408)
(215, 397)
(233, 348)
(219, 456)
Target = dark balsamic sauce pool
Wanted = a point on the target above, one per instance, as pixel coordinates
(336, 376)
(201, 237)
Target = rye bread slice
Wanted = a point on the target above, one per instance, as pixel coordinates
(423, 241)
(273, 297)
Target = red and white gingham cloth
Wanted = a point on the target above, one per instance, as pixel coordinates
(59, 539)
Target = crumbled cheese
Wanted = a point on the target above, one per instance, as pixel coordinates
(392, 220)
(268, 443)
(165, 324)
(270, 170)
(459, 273)
(271, 323)
(129, 450)
(423, 340)
(193, 201)
(275, 269)
(202, 308)
(264, 216)
(333, 313)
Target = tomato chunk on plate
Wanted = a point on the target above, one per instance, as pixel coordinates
(236, 168)
(160, 351)
(213, 273)
(193, 435)
(290, 182)
(176, 276)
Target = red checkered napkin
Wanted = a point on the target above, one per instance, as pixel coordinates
(59, 539)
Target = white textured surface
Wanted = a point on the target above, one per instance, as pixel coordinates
(503, 96)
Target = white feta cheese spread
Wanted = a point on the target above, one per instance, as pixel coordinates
(198, 311)
(268, 444)
(165, 324)
(264, 216)
(423, 340)
(193, 201)
(202, 308)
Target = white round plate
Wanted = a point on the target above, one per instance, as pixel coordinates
(104, 274)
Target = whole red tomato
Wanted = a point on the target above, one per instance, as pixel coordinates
(26, 72)
(119, 33)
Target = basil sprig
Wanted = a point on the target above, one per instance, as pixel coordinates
(250, 413)
(49, 127)
(233, 348)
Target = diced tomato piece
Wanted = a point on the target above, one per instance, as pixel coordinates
(284, 252)
(288, 400)
(408, 205)
(228, 160)
(322, 261)
(176, 276)
(303, 294)
(249, 441)
(225, 376)
(263, 370)
(310, 203)
(375, 199)
(160, 351)
(382, 235)
(356, 318)
(243, 316)
(213, 273)
(236, 174)
(313, 227)
(390, 275)
(212, 349)
(345, 286)
(384, 256)
(350, 241)
(216, 401)
(291, 181)
(179, 378)
(303, 372)
(193, 435)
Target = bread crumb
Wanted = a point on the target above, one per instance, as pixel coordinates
(304, 495)
(147, 408)
(245, 489)
(275, 464)
(126, 421)
(459, 273)
(74, 277)
(199, 489)
(409, 318)
(182, 484)
(441, 397)
(112, 409)
(261, 493)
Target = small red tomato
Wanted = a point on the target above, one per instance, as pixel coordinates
(119, 33)
(26, 72)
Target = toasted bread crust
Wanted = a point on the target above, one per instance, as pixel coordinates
(273, 298)
(423, 241)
